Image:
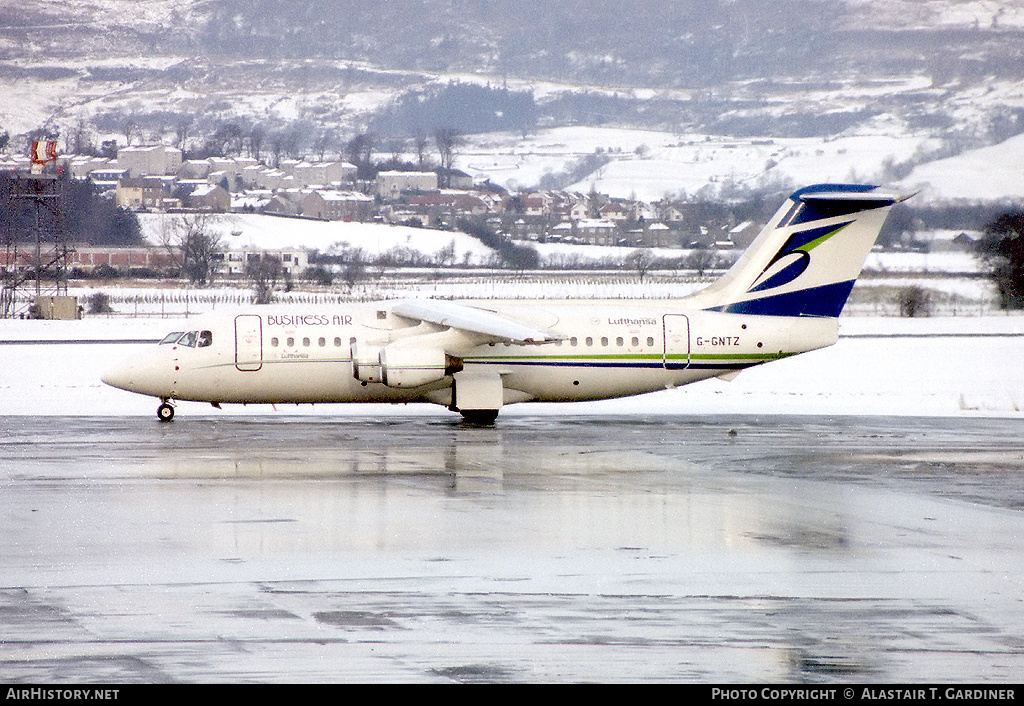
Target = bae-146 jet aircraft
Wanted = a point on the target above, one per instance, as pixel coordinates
(782, 297)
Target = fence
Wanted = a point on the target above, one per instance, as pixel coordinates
(950, 296)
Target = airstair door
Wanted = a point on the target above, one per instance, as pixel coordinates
(248, 342)
(677, 341)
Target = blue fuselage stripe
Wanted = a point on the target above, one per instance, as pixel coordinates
(648, 365)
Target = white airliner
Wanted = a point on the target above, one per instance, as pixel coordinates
(782, 297)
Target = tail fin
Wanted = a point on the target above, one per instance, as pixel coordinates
(806, 259)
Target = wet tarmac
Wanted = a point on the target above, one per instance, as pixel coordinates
(340, 548)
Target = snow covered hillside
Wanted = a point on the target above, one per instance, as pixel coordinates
(650, 165)
(926, 94)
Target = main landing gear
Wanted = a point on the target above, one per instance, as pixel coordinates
(479, 417)
(165, 412)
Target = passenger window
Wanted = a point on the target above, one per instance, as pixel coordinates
(590, 341)
(636, 341)
(322, 341)
(573, 341)
(205, 339)
(619, 342)
(305, 342)
(172, 337)
(604, 340)
(337, 342)
(291, 342)
(650, 341)
(274, 342)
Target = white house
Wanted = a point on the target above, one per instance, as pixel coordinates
(150, 160)
(390, 185)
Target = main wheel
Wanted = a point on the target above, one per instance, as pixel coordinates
(165, 412)
(481, 417)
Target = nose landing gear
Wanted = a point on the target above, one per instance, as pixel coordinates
(165, 412)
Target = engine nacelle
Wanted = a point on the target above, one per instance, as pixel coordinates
(366, 363)
(408, 366)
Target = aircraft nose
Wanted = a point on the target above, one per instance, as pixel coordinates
(120, 376)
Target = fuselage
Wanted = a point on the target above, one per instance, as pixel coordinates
(304, 354)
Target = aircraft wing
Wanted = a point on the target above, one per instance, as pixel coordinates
(472, 320)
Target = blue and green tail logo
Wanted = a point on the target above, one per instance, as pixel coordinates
(828, 231)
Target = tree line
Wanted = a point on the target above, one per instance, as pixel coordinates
(80, 212)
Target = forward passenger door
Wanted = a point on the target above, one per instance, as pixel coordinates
(248, 342)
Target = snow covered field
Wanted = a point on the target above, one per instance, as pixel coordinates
(962, 366)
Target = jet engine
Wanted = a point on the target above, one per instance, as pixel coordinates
(366, 363)
(402, 366)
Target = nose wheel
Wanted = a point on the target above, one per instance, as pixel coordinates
(165, 412)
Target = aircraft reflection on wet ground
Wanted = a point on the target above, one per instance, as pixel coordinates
(545, 548)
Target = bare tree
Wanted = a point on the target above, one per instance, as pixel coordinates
(701, 260)
(445, 257)
(77, 141)
(256, 137)
(263, 271)
(641, 261)
(181, 132)
(225, 141)
(195, 246)
(914, 301)
(276, 148)
(448, 141)
(290, 143)
(128, 128)
(360, 153)
(323, 142)
(421, 143)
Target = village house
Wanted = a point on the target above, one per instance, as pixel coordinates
(210, 197)
(450, 202)
(536, 204)
(578, 211)
(81, 166)
(150, 160)
(338, 206)
(145, 193)
(250, 201)
(455, 179)
(615, 211)
(391, 185)
(668, 213)
(286, 202)
(659, 235)
(294, 261)
(597, 231)
(323, 173)
(106, 179)
(194, 169)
